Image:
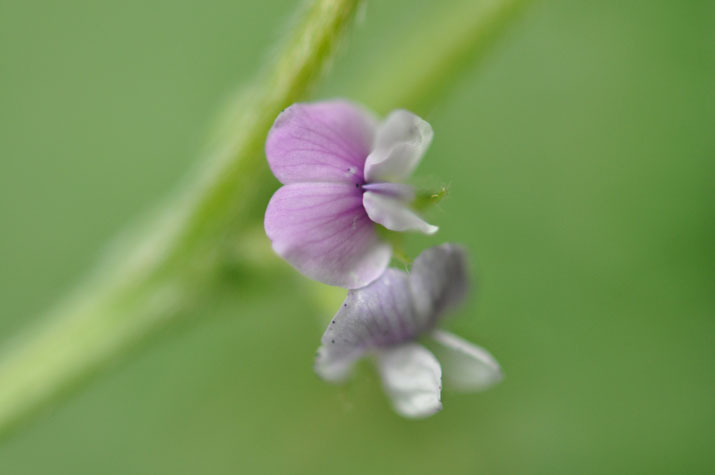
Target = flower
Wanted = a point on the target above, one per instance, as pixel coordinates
(341, 172)
(386, 318)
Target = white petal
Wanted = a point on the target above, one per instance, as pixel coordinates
(467, 367)
(334, 369)
(400, 142)
(411, 376)
(394, 213)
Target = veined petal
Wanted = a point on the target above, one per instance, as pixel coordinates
(467, 367)
(378, 315)
(400, 142)
(375, 316)
(396, 308)
(412, 378)
(394, 214)
(320, 142)
(439, 279)
(323, 231)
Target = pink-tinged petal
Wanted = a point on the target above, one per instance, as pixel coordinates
(467, 367)
(320, 142)
(394, 214)
(323, 231)
(412, 378)
(400, 142)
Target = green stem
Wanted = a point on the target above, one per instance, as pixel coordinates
(158, 272)
(419, 69)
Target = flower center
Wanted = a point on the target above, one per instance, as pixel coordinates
(396, 190)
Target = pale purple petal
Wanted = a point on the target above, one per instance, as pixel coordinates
(394, 214)
(400, 142)
(439, 279)
(379, 315)
(323, 231)
(467, 367)
(397, 307)
(320, 142)
(412, 378)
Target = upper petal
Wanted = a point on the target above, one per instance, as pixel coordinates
(439, 280)
(412, 378)
(394, 214)
(323, 231)
(467, 367)
(400, 142)
(320, 142)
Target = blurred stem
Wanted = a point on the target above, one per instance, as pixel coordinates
(174, 260)
(161, 270)
(448, 41)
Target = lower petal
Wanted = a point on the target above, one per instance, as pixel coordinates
(323, 231)
(394, 214)
(411, 376)
(467, 367)
(334, 368)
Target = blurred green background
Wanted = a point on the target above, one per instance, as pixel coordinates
(579, 158)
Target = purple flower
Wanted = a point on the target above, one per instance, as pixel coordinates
(341, 172)
(385, 320)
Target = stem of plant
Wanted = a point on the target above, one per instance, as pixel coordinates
(162, 269)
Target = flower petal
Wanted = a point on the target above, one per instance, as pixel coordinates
(400, 142)
(394, 214)
(467, 367)
(439, 280)
(332, 367)
(375, 316)
(397, 307)
(411, 376)
(393, 310)
(323, 231)
(320, 142)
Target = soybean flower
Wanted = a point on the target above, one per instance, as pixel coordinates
(342, 172)
(385, 320)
